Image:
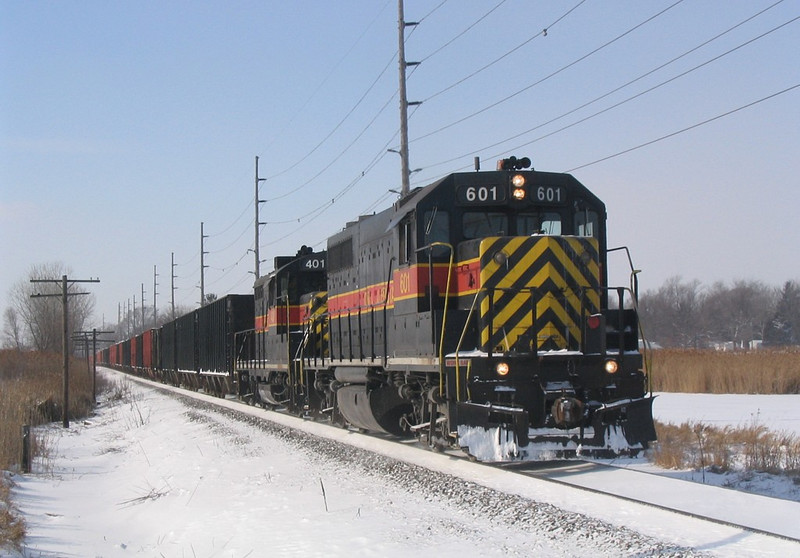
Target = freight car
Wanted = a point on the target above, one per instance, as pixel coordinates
(474, 312)
(195, 350)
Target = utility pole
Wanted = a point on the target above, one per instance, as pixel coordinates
(65, 331)
(172, 286)
(134, 314)
(202, 267)
(155, 295)
(144, 325)
(404, 104)
(258, 224)
(93, 371)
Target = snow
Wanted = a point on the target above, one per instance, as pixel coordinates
(155, 475)
(780, 413)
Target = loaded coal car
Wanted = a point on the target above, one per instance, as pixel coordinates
(474, 312)
(198, 349)
(195, 350)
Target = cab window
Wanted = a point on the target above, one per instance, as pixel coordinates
(480, 224)
(437, 229)
(538, 223)
(586, 223)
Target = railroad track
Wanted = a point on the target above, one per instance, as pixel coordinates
(719, 505)
(626, 490)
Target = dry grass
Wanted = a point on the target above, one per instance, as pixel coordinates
(12, 526)
(699, 446)
(31, 392)
(762, 371)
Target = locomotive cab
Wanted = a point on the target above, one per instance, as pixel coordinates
(540, 355)
(286, 301)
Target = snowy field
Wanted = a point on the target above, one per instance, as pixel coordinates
(158, 476)
(777, 412)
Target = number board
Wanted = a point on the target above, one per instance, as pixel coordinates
(546, 195)
(493, 194)
(313, 263)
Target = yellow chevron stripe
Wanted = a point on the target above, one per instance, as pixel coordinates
(507, 304)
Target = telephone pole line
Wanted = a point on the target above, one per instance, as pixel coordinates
(93, 333)
(65, 330)
(172, 285)
(258, 224)
(202, 267)
(155, 296)
(404, 104)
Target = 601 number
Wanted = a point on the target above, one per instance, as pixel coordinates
(549, 194)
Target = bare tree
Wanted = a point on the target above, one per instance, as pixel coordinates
(671, 315)
(740, 313)
(12, 331)
(38, 320)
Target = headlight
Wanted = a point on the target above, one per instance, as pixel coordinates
(518, 194)
(611, 366)
(500, 258)
(518, 181)
(501, 368)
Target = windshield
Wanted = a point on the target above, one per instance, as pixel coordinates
(479, 224)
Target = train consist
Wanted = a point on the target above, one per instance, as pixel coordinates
(473, 313)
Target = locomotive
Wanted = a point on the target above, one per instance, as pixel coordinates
(473, 313)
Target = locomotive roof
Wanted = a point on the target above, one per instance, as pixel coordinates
(406, 205)
(391, 216)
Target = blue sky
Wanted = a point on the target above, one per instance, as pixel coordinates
(124, 125)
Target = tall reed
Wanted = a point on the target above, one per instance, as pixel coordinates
(707, 371)
(31, 392)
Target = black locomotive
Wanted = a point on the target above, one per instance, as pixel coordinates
(474, 312)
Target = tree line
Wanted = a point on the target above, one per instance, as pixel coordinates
(684, 313)
(680, 313)
(35, 323)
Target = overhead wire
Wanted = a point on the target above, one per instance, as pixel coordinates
(319, 87)
(630, 82)
(657, 86)
(360, 134)
(547, 77)
(687, 128)
(464, 32)
(541, 33)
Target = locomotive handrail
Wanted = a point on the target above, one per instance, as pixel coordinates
(488, 291)
(446, 299)
(647, 349)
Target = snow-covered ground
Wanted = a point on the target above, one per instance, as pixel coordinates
(777, 412)
(153, 475)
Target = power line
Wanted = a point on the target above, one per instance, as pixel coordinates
(682, 130)
(360, 134)
(547, 77)
(628, 99)
(542, 33)
(234, 241)
(330, 73)
(462, 33)
(333, 131)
